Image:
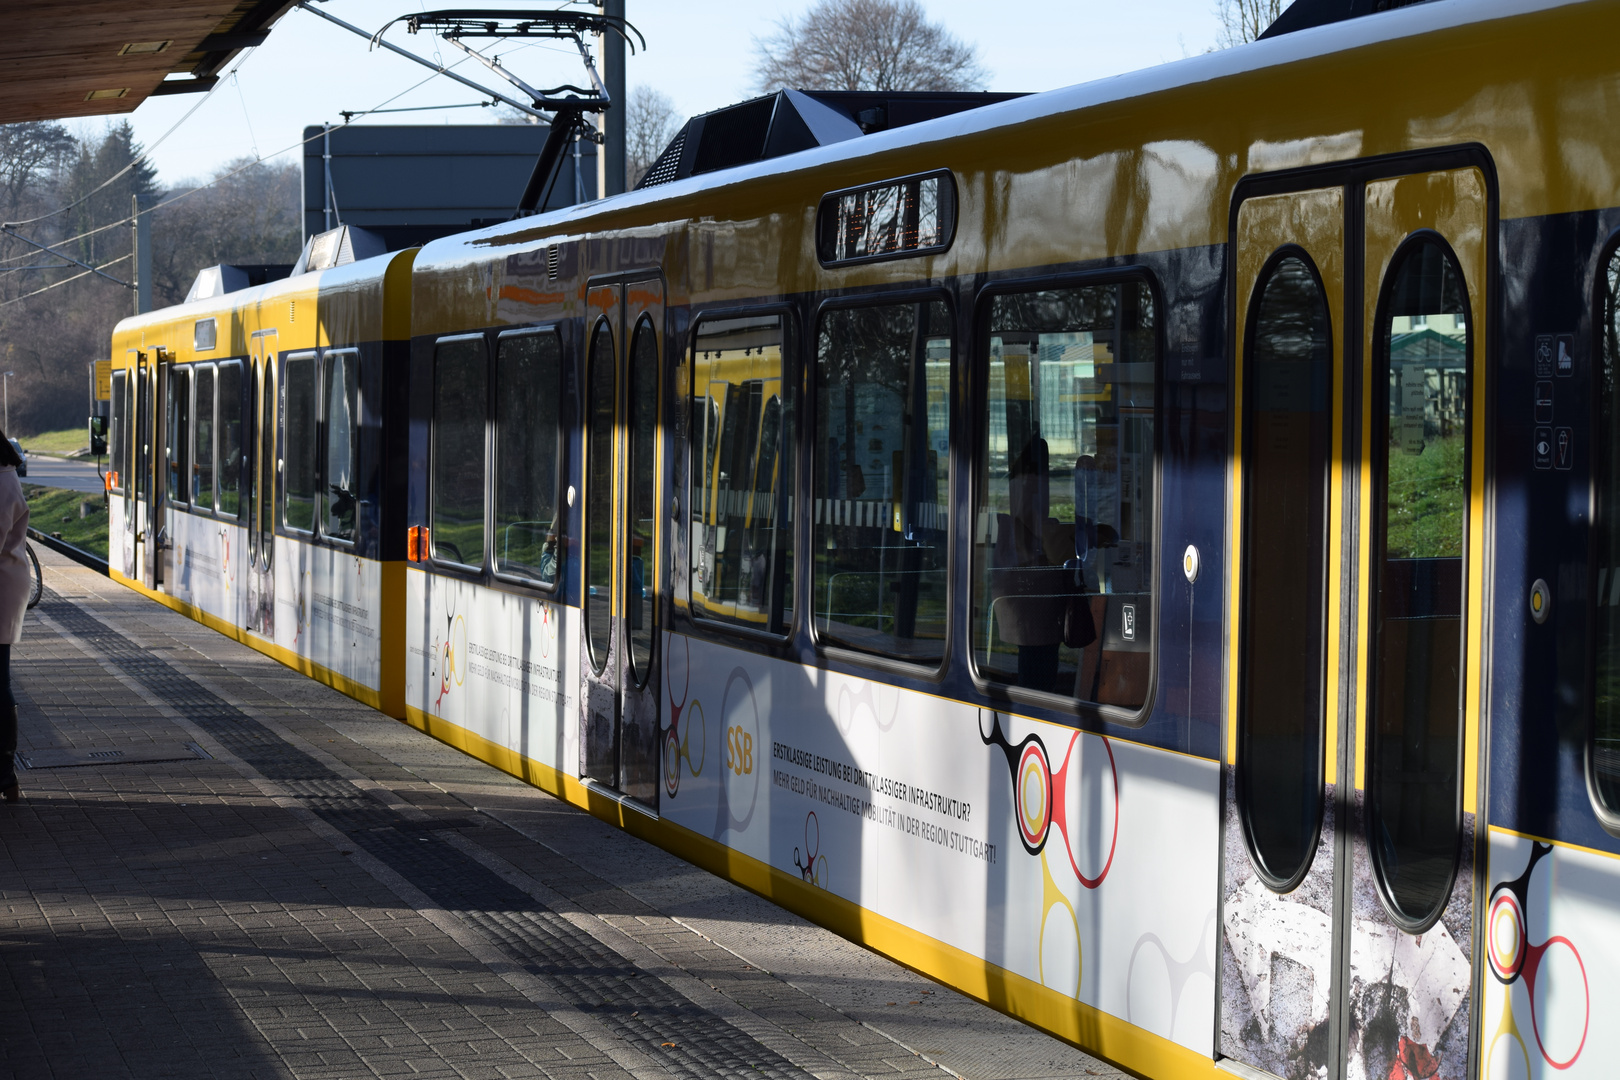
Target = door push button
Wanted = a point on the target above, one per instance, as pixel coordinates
(1540, 601)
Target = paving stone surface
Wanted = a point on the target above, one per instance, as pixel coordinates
(327, 893)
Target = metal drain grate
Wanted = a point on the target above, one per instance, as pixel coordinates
(70, 757)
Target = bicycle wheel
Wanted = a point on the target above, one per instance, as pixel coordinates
(36, 580)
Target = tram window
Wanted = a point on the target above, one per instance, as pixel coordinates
(117, 431)
(914, 216)
(528, 395)
(460, 401)
(202, 442)
(881, 487)
(1604, 750)
(298, 443)
(1287, 437)
(179, 427)
(340, 498)
(742, 474)
(1420, 470)
(1064, 527)
(229, 429)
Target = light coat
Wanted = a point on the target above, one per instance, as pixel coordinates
(13, 559)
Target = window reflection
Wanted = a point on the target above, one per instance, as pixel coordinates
(528, 395)
(1605, 748)
(881, 491)
(1063, 535)
(460, 390)
(742, 527)
(1287, 440)
(1421, 469)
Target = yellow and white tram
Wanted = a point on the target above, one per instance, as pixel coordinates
(1143, 554)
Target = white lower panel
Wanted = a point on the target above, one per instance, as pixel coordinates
(1086, 864)
(1553, 962)
(498, 664)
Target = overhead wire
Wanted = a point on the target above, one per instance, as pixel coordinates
(144, 154)
(64, 281)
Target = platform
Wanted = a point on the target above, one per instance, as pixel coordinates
(222, 869)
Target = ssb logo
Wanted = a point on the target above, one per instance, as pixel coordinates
(739, 751)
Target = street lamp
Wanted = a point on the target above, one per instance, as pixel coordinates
(6, 382)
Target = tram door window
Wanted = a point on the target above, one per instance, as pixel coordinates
(264, 490)
(202, 441)
(460, 404)
(1287, 443)
(601, 382)
(340, 495)
(118, 432)
(177, 469)
(528, 454)
(881, 486)
(742, 474)
(642, 395)
(231, 446)
(298, 443)
(1604, 751)
(1420, 473)
(1064, 529)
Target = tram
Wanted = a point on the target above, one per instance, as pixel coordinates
(1146, 554)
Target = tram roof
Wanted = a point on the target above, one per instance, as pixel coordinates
(1409, 21)
(95, 57)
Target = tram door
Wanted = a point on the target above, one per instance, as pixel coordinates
(148, 519)
(619, 736)
(1355, 626)
(264, 469)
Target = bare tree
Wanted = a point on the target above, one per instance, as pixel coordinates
(1245, 20)
(866, 45)
(247, 213)
(650, 122)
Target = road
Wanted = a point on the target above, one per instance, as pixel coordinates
(60, 473)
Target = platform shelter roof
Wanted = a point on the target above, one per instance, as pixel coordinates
(98, 57)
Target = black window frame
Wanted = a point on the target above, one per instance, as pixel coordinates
(244, 369)
(1262, 280)
(808, 422)
(481, 569)
(118, 435)
(557, 328)
(177, 429)
(284, 361)
(323, 494)
(793, 376)
(1378, 405)
(976, 430)
(826, 216)
(1608, 817)
(210, 509)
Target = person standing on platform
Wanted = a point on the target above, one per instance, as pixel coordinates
(13, 602)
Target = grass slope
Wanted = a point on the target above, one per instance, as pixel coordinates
(55, 512)
(66, 441)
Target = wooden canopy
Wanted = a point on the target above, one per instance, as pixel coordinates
(66, 58)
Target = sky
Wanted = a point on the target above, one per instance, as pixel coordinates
(702, 53)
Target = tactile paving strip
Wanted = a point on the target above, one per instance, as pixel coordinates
(685, 1038)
